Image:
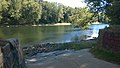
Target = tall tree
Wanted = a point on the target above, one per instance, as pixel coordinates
(97, 6)
(31, 12)
(3, 7)
(17, 12)
(82, 17)
(110, 7)
(51, 13)
(113, 12)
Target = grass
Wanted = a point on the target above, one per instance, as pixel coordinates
(106, 55)
(77, 46)
(98, 52)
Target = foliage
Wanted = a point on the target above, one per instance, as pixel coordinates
(15, 11)
(20, 12)
(51, 13)
(98, 7)
(3, 7)
(113, 12)
(81, 17)
(31, 12)
(106, 55)
(109, 7)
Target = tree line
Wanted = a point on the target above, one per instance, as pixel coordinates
(15, 12)
(22, 12)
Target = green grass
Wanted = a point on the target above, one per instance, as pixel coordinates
(106, 55)
(77, 46)
(99, 53)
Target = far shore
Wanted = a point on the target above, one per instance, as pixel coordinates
(57, 24)
(97, 23)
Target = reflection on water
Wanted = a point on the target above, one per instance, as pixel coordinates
(31, 35)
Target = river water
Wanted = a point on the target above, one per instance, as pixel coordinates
(55, 34)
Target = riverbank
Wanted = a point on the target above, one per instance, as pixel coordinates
(57, 24)
(49, 47)
(97, 23)
(42, 53)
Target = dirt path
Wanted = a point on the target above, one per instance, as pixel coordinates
(69, 59)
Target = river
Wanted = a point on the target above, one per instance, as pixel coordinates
(43, 34)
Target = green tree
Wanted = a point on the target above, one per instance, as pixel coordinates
(51, 13)
(113, 12)
(97, 6)
(12, 12)
(60, 11)
(17, 12)
(31, 12)
(68, 12)
(82, 17)
(110, 7)
(3, 7)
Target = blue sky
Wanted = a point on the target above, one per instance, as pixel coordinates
(71, 3)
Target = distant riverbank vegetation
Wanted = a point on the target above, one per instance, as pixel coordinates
(35, 12)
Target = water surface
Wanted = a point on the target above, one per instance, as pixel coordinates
(55, 34)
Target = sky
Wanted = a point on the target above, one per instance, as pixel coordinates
(71, 3)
